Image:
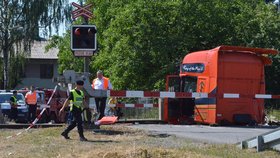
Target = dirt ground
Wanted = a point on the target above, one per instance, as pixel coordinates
(116, 141)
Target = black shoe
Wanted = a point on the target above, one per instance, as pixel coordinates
(83, 139)
(65, 135)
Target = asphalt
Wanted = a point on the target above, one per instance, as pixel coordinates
(207, 134)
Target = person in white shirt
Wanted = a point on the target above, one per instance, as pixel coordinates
(101, 83)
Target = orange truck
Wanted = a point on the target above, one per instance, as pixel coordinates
(225, 69)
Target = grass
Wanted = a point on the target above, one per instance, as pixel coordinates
(117, 141)
(275, 114)
(140, 113)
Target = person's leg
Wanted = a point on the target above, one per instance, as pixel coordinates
(69, 118)
(34, 109)
(71, 126)
(97, 103)
(13, 114)
(29, 113)
(102, 107)
(80, 127)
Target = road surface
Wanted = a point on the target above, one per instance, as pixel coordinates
(218, 135)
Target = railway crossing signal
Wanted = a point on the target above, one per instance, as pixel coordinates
(83, 38)
(82, 11)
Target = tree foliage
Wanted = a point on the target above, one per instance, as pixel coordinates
(141, 41)
(20, 24)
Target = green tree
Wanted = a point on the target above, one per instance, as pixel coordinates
(20, 23)
(141, 41)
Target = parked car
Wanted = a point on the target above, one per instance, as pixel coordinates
(5, 106)
(41, 103)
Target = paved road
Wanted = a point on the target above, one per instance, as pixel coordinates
(220, 135)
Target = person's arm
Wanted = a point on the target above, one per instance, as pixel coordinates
(26, 95)
(66, 103)
(38, 96)
(92, 85)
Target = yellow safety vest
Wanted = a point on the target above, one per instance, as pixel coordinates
(77, 100)
(15, 100)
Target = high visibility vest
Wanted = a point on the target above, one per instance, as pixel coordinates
(105, 83)
(31, 99)
(14, 102)
(77, 100)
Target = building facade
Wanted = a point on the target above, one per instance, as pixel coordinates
(40, 68)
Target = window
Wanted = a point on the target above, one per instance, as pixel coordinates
(189, 84)
(46, 71)
(5, 97)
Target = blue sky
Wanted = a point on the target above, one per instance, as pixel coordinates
(62, 27)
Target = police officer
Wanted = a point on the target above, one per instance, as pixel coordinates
(76, 98)
(14, 110)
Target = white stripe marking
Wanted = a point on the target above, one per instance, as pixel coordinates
(19, 133)
(112, 105)
(167, 94)
(129, 105)
(148, 105)
(199, 95)
(134, 94)
(263, 96)
(231, 95)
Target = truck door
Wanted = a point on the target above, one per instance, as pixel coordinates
(179, 110)
(189, 85)
(171, 105)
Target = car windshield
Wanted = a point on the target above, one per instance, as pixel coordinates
(6, 97)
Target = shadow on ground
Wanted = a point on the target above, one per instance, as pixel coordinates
(110, 132)
(160, 135)
(101, 141)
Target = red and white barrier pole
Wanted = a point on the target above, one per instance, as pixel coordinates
(133, 105)
(37, 118)
(166, 94)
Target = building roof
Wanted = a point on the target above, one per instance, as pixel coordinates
(38, 51)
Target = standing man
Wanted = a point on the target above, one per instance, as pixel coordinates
(14, 110)
(31, 98)
(101, 83)
(77, 100)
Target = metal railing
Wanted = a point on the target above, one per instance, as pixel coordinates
(269, 140)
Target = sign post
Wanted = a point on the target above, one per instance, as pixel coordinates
(83, 37)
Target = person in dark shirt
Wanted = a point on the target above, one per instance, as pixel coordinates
(76, 98)
(14, 110)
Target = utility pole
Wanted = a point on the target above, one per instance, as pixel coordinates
(86, 59)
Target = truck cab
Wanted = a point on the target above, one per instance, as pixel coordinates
(225, 69)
